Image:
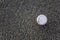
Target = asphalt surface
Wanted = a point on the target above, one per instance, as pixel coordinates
(18, 20)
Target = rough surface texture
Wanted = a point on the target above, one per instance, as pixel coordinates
(18, 19)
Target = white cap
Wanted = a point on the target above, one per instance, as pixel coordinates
(41, 19)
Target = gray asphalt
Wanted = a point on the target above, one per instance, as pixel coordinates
(18, 20)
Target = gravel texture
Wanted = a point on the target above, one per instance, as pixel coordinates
(18, 20)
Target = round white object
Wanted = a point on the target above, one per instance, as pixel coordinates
(41, 19)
